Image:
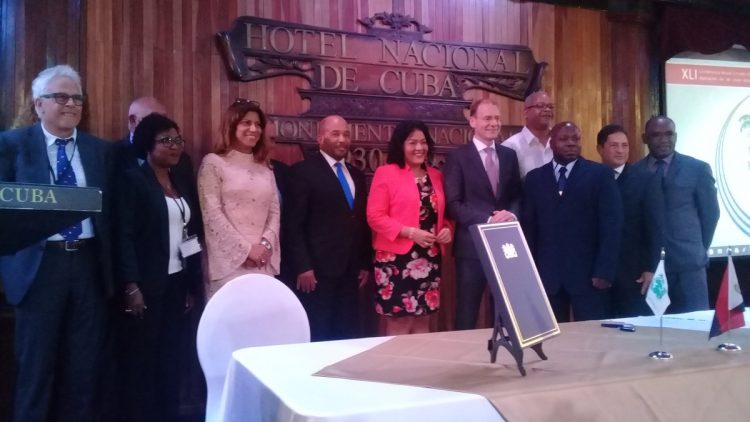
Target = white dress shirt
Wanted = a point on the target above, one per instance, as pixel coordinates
(332, 162)
(481, 147)
(618, 171)
(556, 168)
(530, 151)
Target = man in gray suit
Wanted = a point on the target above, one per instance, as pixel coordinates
(58, 285)
(687, 210)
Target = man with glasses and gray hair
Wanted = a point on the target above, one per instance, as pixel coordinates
(531, 144)
(58, 284)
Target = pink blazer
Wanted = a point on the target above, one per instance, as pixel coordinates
(394, 203)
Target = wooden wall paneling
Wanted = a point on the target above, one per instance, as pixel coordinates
(578, 82)
(605, 68)
(631, 65)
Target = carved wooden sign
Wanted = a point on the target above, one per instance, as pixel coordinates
(377, 78)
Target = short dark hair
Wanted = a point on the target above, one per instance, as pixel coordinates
(400, 133)
(144, 135)
(601, 137)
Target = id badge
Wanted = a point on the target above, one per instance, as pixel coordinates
(190, 246)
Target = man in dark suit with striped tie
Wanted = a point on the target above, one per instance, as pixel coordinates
(58, 285)
(327, 233)
(572, 219)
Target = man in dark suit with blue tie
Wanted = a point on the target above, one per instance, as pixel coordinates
(482, 185)
(58, 285)
(688, 211)
(327, 233)
(641, 239)
(572, 219)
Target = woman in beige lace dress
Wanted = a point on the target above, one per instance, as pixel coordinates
(239, 199)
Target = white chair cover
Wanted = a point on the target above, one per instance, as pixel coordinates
(250, 310)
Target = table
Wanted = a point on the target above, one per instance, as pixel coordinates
(276, 383)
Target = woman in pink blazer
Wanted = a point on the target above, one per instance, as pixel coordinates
(406, 211)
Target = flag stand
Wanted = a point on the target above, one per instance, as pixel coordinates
(661, 355)
(729, 346)
(657, 299)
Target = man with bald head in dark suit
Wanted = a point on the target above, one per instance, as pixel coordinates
(327, 233)
(572, 219)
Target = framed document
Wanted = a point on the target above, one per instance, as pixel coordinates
(523, 316)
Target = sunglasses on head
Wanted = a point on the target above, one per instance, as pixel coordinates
(246, 101)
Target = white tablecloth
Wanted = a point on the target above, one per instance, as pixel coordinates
(275, 383)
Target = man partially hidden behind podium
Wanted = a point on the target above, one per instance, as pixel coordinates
(58, 284)
(572, 220)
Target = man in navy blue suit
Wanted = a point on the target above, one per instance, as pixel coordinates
(688, 211)
(58, 285)
(482, 185)
(572, 219)
(640, 234)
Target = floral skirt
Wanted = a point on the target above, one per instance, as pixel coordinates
(407, 284)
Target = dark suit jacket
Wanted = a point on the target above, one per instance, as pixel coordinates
(142, 231)
(468, 193)
(23, 159)
(641, 236)
(576, 236)
(687, 212)
(322, 232)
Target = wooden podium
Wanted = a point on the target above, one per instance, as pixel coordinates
(30, 212)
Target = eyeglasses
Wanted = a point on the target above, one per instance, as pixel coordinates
(169, 141)
(246, 101)
(541, 106)
(63, 98)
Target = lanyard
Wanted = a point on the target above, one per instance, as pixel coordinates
(181, 206)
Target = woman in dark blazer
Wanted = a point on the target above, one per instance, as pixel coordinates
(159, 266)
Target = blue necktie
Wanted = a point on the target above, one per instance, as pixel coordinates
(66, 177)
(562, 180)
(344, 185)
